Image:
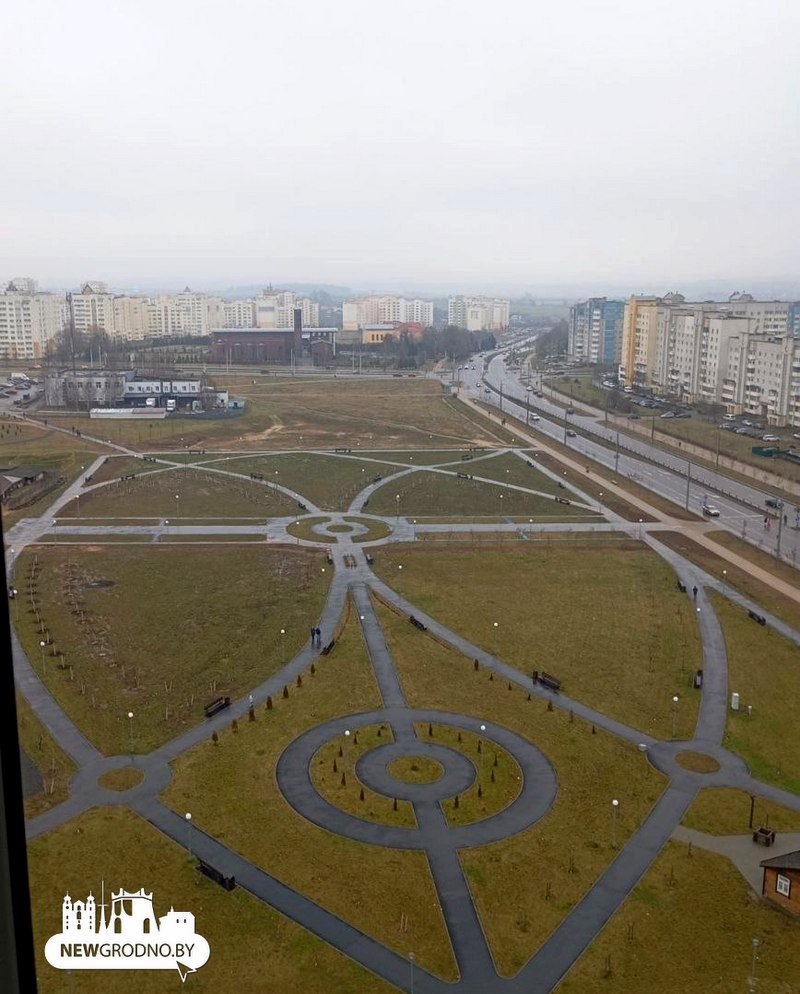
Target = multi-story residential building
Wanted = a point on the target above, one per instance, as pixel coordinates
(131, 318)
(362, 311)
(276, 310)
(29, 322)
(239, 314)
(478, 313)
(595, 330)
(93, 308)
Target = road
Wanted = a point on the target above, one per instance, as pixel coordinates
(741, 506)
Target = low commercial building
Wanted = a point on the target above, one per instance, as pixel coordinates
(781, 882)
(268, 345)
(88, 389)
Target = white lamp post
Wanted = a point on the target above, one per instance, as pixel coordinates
(674, 714)
(42, 644)
(614, 809)
(188, 817)
(130, 733)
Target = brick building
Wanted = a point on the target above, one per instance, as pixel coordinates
(781, 883)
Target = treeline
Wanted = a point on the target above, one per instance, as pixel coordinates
(436, 343)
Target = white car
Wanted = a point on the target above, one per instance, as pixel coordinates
(710, 510)
(770, 438)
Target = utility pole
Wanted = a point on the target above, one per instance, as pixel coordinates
(688, 482)
(501, 393)
(780, 529)
(616, 455)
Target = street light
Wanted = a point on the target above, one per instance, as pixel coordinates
(614, 809)
(130, 733)
(397, 502)
(346, 741)
(188, 817)
(756, 944)
(411, 958)
(55, 531)
(481, 744)
(42, 644)
(674, 714)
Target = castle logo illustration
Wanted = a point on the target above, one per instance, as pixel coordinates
(129, 938)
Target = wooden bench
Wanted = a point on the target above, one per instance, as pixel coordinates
(216, 875)
(327, 649)
(417, 623)
(216, 706)
(547, 679)
(764, 836)
(757, 617)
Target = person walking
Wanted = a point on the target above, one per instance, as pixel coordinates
(313, 634)
(694, 592)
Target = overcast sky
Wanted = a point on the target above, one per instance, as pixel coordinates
(386, 141)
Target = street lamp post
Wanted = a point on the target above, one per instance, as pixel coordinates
(566, 422)
(481, 743)
(283, 633)
(411, 958)
(674, 714)
(397, 503)
(614, 809)
(55, 531)
(616, 455)
(188, 817)
(130, 734)
(42, 644)
(756, 943)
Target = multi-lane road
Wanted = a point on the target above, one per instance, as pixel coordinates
(742, 506)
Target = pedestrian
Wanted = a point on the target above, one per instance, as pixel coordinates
(313, 633)
(694, 591)
(786, 519)
(766, 521)
(319, 636)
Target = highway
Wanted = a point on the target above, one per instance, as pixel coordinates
(741, 506)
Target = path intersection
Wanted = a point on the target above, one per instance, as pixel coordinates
(354, 579)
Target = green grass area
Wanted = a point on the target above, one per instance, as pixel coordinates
(416, 769)
(764, 669)
(330, 482)
(438, 494)
(333, 774)
(158, 632)
(295, 413)
(771, 600)
(121, 779)
(120, 848)
(571, 845)
(423, 457)
(376, 529)
(688, 926)
(199, 494)
(725, 811)
(230, 539)
(510, 469)
(637, 642)
(230, 789)
(777, 567)
(50, 759)
(497, 774)
(116, 466)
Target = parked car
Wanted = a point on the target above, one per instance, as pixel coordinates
(770, 438)
(741, 431)
(683, 414)
(775, 502)
(668, 414)
(572, 434)
(710, 510)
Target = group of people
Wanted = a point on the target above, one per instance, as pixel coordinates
(316, 636)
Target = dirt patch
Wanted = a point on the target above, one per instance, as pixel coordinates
(697, 762)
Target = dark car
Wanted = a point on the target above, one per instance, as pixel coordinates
(775, 502)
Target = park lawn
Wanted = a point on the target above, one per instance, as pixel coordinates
(441, 494)
(508, 468)
(199, 494)
(377, 529)
(500, 776)
(253, 947)
(605, 618)
(159, 630)
(330, 482)
(53, 763)
(746, 550)
(769, 599)
(200, 539)
(764, 669)
(369, 886)
(508, 879)
(690, 923)
(116, 466)
(337, 759)
(422, 457)
(726, 811)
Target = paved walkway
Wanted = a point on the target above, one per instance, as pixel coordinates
(433, 835)
(740, 850)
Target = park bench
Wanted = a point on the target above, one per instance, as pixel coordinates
(369, 557)
(342, 450)
(377, 479)
(216, 706)
(326, 649)
(757, 617)
(417, 623)
(463, 476)
(302, 506)
(698, 680)
(88, 479)
(681, 586)
(547, 679)
(764, 836)
(216, 875)
(562, 486)
(563, 500)
(467, 456)
(329, 557)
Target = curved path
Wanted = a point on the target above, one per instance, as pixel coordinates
(440, 841)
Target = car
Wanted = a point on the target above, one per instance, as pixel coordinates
(748, 424)
(683, 414)
(487, 390)
(710, 510)
(775, 502)
(572, 434)
(770, 438)
(667, 414)
(796, 434)
(741, 431)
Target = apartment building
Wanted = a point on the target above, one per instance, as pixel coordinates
(131, 318)
(29, 320)
(360, 312)
(595, 330)
(93, 308)
(478, 313)
(239, 314)
(276, 310)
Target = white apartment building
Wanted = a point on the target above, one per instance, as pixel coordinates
(384, 309)
(93, 308)
(184, 313)
(131, 318)
(238, 314)
(478, 313)
(29, 321)
(276, 310)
